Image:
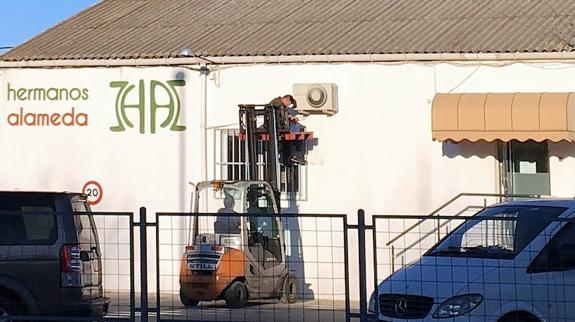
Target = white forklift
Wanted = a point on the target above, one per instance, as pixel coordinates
(238, 254)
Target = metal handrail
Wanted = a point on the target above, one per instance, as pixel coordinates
(450, 201)
(438, 229)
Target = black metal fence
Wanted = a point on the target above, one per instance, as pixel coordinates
(290, 268)
(64, 266)
(284, 267)
(511, 264)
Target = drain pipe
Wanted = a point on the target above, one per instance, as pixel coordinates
(204, 72)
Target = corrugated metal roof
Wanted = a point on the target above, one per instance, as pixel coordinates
(120, 29)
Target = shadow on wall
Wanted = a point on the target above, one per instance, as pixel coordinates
(295, 257)
(468, 149)
(562, 150)
(310, 144)
(483, 149)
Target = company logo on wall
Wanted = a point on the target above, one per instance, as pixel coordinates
(131, 98)
(26, 117)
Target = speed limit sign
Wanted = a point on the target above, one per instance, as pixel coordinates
(94, 191)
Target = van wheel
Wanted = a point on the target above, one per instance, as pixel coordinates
(519, 316)
(186, 301)
(236, 295)
(290, 289)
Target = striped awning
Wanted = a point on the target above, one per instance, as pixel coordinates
(504, 116)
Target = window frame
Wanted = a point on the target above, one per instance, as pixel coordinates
(230, 158)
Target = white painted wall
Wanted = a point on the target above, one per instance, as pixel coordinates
(134, 169)
(376, 153)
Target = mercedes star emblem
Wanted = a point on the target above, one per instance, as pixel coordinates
(401, 306)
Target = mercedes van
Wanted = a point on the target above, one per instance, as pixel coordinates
(513, 261)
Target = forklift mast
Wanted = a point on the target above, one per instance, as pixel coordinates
(269, 124)
(274, 123)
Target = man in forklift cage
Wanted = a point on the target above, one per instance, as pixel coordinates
(292, 152)
(288, 115)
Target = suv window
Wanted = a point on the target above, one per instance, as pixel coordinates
(84, 226)
(27, 220)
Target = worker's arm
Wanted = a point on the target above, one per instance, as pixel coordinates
(293, 115)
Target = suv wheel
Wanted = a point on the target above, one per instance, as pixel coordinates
(9, 307)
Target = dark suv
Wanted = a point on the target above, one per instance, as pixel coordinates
(50, 260)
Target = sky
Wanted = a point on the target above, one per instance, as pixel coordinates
(21, 20)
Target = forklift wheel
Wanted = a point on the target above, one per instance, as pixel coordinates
(290, 289)
(188, 302)
(236, 295)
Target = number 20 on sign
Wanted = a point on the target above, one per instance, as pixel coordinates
(93, 190)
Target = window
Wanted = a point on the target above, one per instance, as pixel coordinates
(27, 219)
(259, 200)
(85, 228)
(525, 167)
(263, 232)
(231, 164)
(497, 232)
(559, 254)
(492, 233)
(38, 228)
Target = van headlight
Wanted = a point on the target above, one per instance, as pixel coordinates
(372, 302)
(458, 305)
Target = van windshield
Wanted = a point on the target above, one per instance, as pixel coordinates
(497, 232)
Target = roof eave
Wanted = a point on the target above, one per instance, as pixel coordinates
(297, 59)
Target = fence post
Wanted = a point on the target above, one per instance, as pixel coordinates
(362, 266)
(143, 265)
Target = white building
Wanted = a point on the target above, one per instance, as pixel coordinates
(77, 102)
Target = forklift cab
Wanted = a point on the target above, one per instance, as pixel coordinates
(236, 247)
(230, 200)
(246, 218)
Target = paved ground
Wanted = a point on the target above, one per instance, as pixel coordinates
(262, 310)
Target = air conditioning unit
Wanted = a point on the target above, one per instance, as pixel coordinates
(316, 98)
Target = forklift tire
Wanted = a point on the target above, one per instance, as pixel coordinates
(290, 289)
(186, 301)
(236, 295)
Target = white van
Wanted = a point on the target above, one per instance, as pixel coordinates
(514, 261)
